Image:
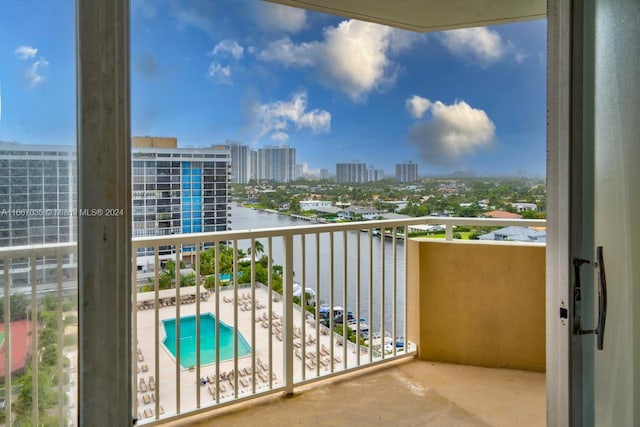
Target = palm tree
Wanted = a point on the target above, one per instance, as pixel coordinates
(259, 247)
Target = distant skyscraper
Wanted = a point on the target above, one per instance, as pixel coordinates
(406, 172)
(299, 172)
(375, 174)
(276, 163)
(324, 173)
(37, 194)
(351, 172)
(253, 165)
(240, 162)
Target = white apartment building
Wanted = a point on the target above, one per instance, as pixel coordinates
(354, 172)
(37, 194)
(406, 172)
(276, 163)
(240, 162)
(313, 205)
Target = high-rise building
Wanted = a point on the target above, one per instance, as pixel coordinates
(406, 172)
(178, 190)
(375, 174)
(324, 173)
(37, 194)
(253, 171)
(240, 162)
(351, 172)
(276, 163)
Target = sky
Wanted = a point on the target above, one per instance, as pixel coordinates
(337, 90)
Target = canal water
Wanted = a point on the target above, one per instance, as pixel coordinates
(245, 219)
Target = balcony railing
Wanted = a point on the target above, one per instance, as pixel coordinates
(236, 329)
(38, 350)
(274, 342)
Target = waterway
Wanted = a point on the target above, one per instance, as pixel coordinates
(332, 266)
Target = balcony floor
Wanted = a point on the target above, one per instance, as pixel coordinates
(409, 393)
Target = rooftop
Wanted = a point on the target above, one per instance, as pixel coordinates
(501, 215)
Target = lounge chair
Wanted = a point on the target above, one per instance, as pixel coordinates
(244, 382)
(140, 414)
(144, 367)
(140, 357)
(143, 386)
(152, 383)
(212, 390)
(146, 399)
(148, 413)
(324, 350)
(161, 410)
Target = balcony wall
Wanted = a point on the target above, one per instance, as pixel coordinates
(477, 303)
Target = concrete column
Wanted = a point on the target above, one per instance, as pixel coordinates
(104, 235)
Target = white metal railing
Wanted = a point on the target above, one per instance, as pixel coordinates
(39, 293)
(348, 265)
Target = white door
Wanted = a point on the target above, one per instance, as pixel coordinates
(611, 130)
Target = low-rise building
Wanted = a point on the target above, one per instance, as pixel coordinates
(516, 234)
(314, 205)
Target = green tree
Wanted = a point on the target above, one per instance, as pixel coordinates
(259, 247)
(294, 205)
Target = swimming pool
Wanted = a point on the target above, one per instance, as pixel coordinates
(207, 340)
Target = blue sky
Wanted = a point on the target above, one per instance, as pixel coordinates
(335, 89)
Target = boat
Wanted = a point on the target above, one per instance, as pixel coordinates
(297, 292)
(353, 325)
(338, 318)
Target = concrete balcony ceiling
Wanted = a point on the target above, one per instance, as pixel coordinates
(429, 15)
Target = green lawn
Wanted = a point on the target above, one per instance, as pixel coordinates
(465, 235)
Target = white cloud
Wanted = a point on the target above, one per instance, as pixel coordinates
(452, 131)
(228, 46)
(276, 18)
(199, 15)
(288, 53)
(33, 74)
(353, 57)
(275, 118)
(26, 52)
(480, 45)
(219, 73)
(417, 106)
(280, 136)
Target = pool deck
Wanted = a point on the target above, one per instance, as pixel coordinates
(166, 381)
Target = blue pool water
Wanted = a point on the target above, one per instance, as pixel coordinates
(207, 340)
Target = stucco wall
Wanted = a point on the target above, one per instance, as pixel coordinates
(477, 303)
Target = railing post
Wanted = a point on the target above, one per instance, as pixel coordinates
(448, 231)
(288, 313)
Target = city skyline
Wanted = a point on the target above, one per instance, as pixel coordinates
(334, 89)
